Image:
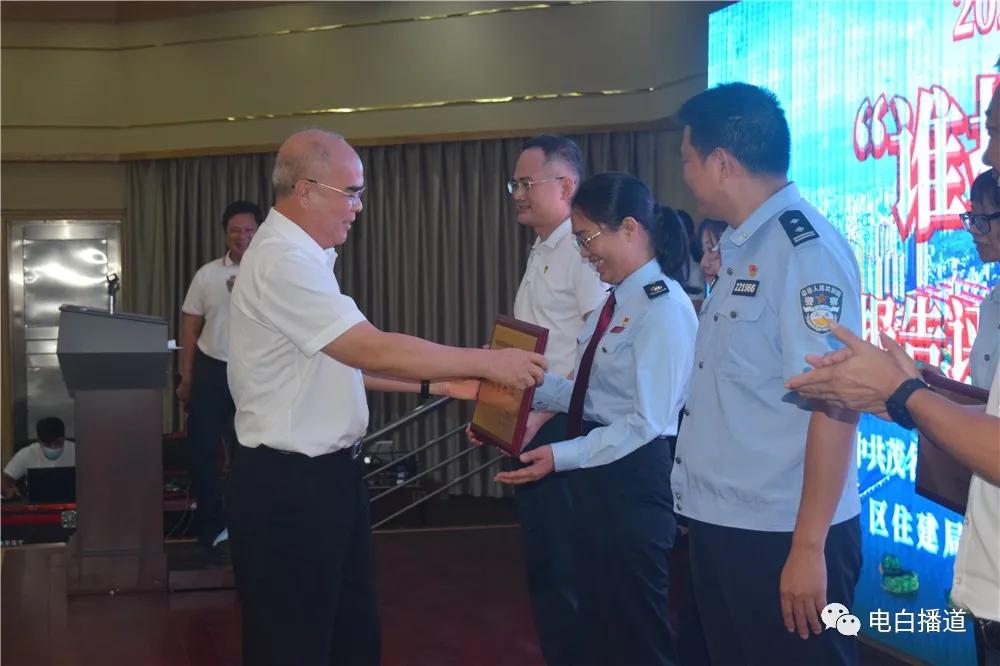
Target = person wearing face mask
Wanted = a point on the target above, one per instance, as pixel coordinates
(204, 352)
(634, 359)
(983, 222)
(51, 450)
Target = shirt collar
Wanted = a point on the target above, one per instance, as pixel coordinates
(780, 200)
(227, 260)
(284, 227)
(557, 235)
(632, 288)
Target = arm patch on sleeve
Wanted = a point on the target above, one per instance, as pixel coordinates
(797, 227)
(821, 303)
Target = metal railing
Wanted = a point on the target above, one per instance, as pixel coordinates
(417, 414)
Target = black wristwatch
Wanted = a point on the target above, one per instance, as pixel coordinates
(425, 389)
(896, 404)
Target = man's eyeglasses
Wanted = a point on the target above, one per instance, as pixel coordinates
(584, 243)
(515, 186)
(978, 222)
(354, 198)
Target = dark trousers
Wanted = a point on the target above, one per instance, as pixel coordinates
(737, 576)
(692, 650)
(210, 418)
(626, 527)
(301, 543)
(987, 642)
(545, 511)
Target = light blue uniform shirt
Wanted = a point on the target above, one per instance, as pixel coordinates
(986, 346)
(786, 271)
(639, 379)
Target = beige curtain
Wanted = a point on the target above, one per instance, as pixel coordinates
(173, 225)
(436, 253)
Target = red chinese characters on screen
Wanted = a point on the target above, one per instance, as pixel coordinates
(936, 325)
(975, 17)
(938, 148)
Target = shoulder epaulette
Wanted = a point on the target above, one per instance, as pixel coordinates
(797, 227)
(656, 289)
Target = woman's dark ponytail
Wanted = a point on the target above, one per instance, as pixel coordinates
(670, 241)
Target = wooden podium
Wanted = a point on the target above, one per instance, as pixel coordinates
(115, 366)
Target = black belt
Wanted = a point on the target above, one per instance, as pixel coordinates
(206, 358)
(353, 451)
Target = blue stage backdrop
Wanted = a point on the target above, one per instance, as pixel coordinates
(887, 106)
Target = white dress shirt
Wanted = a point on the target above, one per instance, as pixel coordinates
(286, 307)
(208, 297)
(558, 288)
(986, 347)
(976, 586)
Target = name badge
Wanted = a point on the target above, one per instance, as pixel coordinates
(746, 287)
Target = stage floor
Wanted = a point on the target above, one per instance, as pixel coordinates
(448, 596)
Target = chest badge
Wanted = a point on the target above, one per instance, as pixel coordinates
(545, 270)
(621, 327)
(656, 289)
(752, 270)
(745, 288)
(821, 304)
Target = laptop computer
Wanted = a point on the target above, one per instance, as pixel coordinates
(52, 485)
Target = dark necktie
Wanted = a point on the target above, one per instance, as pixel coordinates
(575, 426)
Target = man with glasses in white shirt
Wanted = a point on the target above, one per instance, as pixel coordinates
(301, 355)
(557, 291)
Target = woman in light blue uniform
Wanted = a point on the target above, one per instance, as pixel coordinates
(984, 225)
(634, 360)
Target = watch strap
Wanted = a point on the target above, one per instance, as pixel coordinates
(896, 404)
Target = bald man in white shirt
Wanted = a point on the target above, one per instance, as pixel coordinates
(300, 357)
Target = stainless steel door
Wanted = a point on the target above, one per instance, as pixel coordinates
(51, 262)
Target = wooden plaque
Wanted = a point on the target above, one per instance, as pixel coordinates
(501, 411)
(940, 477)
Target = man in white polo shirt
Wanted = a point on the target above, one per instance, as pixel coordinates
(51, 450)
(300, 357)
(557, 291)
(204, 350)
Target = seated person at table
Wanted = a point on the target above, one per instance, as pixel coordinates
(51, 450)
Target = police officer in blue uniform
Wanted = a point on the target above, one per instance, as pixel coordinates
(764, 477)
(634, 362)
